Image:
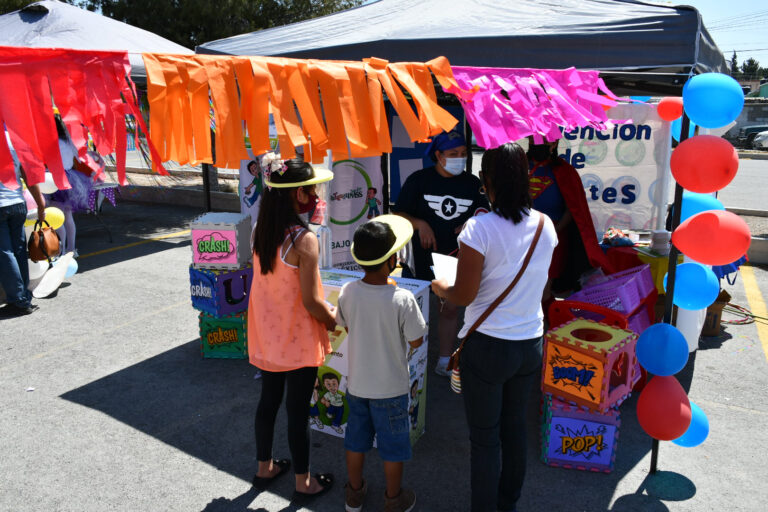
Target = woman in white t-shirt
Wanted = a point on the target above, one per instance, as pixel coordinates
(500, 359)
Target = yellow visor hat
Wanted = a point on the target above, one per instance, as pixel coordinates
(403, 231)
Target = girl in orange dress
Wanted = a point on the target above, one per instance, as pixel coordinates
(288, 318)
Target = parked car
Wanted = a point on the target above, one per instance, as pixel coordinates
(748, 133)
(761, 140)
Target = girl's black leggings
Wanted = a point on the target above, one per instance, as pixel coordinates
(300, 383)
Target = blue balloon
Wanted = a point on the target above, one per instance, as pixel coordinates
(694, 203)
(696, 286)
(712, 100)
(698, 430)
(662, 350)
(644, 99)
(677, 127)
(71, 268)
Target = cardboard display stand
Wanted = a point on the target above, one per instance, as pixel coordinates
(220, 292)
(574, 437)
(328, 406)
(223, 337)
(221, 240)
(589, 364)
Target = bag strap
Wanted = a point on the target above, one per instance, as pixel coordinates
(40, 224)
(504, 294)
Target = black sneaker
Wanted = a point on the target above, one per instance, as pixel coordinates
(12, 310)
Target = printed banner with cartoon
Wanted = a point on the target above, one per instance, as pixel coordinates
(355, 198)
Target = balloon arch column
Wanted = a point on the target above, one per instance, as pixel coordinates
(706, 234)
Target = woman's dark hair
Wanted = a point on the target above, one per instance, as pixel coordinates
(372, 241)
(505, 171)
(61, 130)
(276, 213)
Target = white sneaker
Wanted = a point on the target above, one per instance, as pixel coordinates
(442, 370)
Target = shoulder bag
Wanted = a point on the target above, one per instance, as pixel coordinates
(43, 242)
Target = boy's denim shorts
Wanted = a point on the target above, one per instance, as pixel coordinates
(387, 418)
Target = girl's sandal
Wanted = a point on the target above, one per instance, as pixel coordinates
(283, 466)
(326, 482)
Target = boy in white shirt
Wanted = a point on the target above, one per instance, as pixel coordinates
(382, 321)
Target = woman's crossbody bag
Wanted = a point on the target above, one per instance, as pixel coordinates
(453, 364)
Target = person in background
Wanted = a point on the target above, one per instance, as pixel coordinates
(438, 200)
(557, 191)
(383, 322)
(288, 319)
(501, 357)
(75, 199)
(14, 264)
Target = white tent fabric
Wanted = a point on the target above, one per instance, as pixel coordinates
(52, 24)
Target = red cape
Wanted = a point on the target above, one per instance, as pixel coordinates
(572, 190)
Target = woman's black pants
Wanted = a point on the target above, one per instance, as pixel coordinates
(497, 377)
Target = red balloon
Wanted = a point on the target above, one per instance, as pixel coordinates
(663, 409)
(670, 108)
(704, 163)
(714, 237)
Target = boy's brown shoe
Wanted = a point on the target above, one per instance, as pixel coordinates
(355, 497)
(403, 502)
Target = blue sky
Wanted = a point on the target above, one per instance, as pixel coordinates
(736, 25)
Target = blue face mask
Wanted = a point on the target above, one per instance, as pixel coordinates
(455, 166)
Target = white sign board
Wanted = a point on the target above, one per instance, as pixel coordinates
(624, 170)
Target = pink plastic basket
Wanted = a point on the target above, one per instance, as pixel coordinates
(643, 278)
(623, 291)
(639, 322)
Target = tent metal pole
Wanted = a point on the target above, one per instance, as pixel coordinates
(672, 270)
(468, 138)
(207, 186)
(385, 186)
(207, 170)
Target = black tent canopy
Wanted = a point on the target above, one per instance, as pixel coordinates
(640, 47)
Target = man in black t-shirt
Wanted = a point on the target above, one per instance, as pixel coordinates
(438, 201)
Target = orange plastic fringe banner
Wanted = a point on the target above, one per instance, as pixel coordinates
(91, 89)
(316, 105)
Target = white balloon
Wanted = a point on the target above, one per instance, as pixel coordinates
(48, 186)
(37, 269)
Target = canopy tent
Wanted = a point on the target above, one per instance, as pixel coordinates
(639, 47)
(52, 24)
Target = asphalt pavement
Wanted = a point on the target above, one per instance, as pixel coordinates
(108, 405)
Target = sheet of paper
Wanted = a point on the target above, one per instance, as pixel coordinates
(444, 267)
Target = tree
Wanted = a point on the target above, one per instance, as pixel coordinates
(734, 65)
(750, 68)
(193, 22)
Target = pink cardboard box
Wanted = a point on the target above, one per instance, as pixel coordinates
(221, 240)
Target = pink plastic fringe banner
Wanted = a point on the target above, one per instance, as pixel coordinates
(93, 92)
(510, 104)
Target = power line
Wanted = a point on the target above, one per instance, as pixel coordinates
(732, 19)
(746, 24)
